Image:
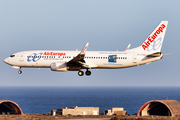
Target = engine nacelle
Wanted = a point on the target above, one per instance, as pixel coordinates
(58, 66)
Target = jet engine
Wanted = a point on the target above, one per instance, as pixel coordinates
(58, 66)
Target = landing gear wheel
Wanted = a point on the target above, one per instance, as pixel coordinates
(19, 71)
(80, 73)
(88, 73)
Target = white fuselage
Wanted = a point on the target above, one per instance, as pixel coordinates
(94, 59)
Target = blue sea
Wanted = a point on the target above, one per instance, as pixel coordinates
(44, 99)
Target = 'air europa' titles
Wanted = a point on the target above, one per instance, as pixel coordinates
(53, 53)
(153, 37)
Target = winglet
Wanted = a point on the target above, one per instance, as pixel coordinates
(84, 49)
(128, 47)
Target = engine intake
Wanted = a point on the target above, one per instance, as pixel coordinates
(58, 66)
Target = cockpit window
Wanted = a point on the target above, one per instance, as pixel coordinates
(12, 55)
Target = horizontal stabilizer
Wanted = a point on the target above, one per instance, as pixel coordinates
(168, 53)
(158, 54)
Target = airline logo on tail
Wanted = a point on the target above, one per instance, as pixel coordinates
(155, 45)
(146, 44)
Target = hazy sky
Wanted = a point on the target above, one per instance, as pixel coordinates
(106, 24)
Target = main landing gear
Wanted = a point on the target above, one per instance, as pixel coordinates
(88, 73)
(20, 71)
(81, 73)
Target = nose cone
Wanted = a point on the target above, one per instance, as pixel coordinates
(6, 60)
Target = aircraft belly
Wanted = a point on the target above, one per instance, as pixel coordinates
(110, 65)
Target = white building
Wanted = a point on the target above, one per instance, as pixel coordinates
(79, 111)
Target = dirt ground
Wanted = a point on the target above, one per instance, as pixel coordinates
(48, 117)
(91, 117)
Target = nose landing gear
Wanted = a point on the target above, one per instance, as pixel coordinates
(20, 71)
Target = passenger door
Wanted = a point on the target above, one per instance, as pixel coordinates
(21, 57)
(134, 59)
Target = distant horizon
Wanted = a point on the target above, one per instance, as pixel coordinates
(97, 86)
(44, 99)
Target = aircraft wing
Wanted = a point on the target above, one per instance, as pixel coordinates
(79, 59)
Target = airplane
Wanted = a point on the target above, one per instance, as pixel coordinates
(149, 51)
